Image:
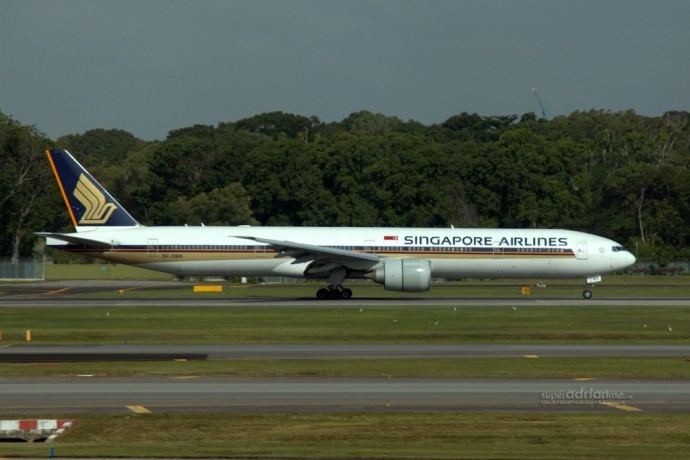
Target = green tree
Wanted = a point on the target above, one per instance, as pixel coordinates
(466, 126)
(130, 183)
(365, 122)
(24, 184)
(274, 124)
(178, 167)
(641, 183)
(526, 180)
(233, 147)
(225, 206)
(101, 147)
(285, 179)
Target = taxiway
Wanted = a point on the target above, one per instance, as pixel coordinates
(222, 395)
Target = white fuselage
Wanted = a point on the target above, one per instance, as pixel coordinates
(454, 253)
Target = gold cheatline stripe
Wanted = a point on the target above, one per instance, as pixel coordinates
(439, 254)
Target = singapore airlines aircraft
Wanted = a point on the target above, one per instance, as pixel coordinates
(402, 259)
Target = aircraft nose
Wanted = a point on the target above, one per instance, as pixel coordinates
(625, 259)
(631, 259)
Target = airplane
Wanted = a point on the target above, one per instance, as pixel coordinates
(401, 259)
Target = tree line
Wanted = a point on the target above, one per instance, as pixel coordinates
(617, 174)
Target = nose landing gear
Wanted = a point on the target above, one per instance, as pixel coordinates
(587, 293)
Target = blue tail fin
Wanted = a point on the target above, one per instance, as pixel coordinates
(89, 204)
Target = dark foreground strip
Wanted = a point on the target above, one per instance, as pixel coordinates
(9, 357)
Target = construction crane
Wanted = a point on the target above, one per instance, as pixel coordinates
(541, 105)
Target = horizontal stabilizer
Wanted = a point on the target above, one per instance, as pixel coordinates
(76, 240)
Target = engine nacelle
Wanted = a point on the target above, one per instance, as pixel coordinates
(408, 275)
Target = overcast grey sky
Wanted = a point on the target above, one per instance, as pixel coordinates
(150, 66)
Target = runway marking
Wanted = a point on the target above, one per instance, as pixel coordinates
(186, 377)
(139, 409)
(57, 291)
(135, 288)
(6, 346)
(584, 379)
(531, 356)
(621, 406)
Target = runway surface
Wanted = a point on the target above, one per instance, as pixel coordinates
(86, 353)
(223, 395)
(60, 294)
(194, 394)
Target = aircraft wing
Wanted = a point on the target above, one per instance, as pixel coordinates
(76, 240)
(321, 254)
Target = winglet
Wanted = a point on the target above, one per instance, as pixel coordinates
(89, 204)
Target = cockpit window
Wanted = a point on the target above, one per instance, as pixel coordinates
(618, 249)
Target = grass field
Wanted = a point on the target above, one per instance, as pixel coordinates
(595, 368)
(101, 272)
(378, 435)
(338, 324)
(343, 324)
(369, 435)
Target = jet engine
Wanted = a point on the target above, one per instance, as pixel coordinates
(407, 275)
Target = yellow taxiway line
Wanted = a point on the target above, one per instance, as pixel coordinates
(139, 409)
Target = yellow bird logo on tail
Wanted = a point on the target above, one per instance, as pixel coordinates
(98, 210)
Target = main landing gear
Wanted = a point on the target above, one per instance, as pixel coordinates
(334, 293)
(335, 290)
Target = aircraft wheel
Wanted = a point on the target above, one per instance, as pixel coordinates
(334, 294)
(322, 294)
(346, 293)
(587, 294)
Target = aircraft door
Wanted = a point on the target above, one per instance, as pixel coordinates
(152, 247)
(582, 250)
(260, 250)
(369, 246)
(497, 251)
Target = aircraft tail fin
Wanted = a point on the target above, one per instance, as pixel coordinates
(89, 204)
